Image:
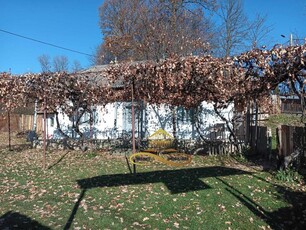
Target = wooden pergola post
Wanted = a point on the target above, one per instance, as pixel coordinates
(91, 120)
(9, 127)
(133, 126)
(45, 132)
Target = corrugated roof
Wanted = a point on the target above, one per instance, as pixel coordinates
(96, 73)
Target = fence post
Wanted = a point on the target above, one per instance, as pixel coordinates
(133, 125)
(45, 132)
(279, 146)
(9, 128)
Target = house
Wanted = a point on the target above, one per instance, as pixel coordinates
(115, 119)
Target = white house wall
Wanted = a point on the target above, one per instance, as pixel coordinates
(161, 117)
(114, 120)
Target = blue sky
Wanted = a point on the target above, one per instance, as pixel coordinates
(74, 24)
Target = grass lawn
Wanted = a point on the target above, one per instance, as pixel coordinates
(96, 191)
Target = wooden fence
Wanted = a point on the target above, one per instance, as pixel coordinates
(224, 147)
(259, 139)
(289, 139)
(20, 122)
(210, 147)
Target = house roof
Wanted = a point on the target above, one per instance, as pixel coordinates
(94, 69)
(98, 73)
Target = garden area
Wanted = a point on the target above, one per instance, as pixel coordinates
(71, 189)
(232, 161)
(95, 190)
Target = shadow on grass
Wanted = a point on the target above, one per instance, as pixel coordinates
(291, 217)
(15, 220)
(177, 181)
(74, 210)
(59, 160)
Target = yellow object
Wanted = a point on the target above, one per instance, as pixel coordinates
(160, 134)
(160, 146)
(160, 139)
(160, 159)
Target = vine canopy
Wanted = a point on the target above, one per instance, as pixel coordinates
(186, 81)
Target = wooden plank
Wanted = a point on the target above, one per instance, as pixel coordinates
(279, 141)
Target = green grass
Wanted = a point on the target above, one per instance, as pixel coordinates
(284, 119)
(96, 191)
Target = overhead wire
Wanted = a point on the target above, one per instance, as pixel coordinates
(45, 43)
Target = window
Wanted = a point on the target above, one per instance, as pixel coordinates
(185, 115)
(86, 117)
(51, 120)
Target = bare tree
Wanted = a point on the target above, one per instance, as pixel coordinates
(238, 33)
(234, 28)
(297, 38)
(45, 64)
(153, 29)
(259, 31)
(60, 64)
(118, 22)
(76, 66)
(181, 29)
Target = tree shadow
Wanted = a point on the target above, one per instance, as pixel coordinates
(246, 201)
(59, 160)
(74, 210)
(15, 220)
(291, 217)
(294, 215)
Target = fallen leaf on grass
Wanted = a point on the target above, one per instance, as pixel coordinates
(166, 220)
(222, 207)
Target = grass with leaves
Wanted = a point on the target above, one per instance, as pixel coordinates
(94, 190)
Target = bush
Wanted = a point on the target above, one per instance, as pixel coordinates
(288, 175)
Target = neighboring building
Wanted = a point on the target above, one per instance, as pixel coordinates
(287, 104)
(290, 104)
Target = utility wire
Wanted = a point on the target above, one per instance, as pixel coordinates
(45, 43)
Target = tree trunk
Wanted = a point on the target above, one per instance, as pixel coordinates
(174, 122)
(227, 123)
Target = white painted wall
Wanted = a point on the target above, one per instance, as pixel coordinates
(113, 119)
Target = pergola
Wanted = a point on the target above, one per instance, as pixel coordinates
(176, 81)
